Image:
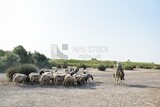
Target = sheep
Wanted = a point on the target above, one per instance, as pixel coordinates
(55, 69)
(47, 70)
(14, 75)
(59, 78)
(49, 73)
(66, 71)
(79, 79)
(82, 78)
(19, 78)
(42, 71)
(71, 71)
(88, 76)
(46, 78)
(34, 77)
(74, 71)
(69, 80)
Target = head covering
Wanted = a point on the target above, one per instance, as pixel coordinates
(119, 64)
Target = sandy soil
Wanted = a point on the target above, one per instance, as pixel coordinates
(140, 89)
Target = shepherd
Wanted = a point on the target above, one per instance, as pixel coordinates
(119, 74)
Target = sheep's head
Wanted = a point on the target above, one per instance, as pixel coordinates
(76, 79)
(41, 72)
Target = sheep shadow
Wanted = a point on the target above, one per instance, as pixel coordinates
(141, 86)
(88, 85)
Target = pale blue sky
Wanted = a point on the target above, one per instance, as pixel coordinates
(131, 28)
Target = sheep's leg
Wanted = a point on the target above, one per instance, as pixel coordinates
(114, 79)
(117, 81)
(121, 81)
(56, 81)
(43, 82)
(63, 83)
(22, 83)
(53, 82)
(89, 80)
(75, 84)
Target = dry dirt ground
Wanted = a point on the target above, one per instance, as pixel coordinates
(140, 89)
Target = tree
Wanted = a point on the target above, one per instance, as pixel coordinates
(93, 59)
(9, 59)
(128, 60)
(19, 55)
(22, 53)
(30, 58)
(39, 57)
(41, 60)
(2, 52)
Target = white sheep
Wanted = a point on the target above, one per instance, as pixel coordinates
(14, 75)
(55, 69)
(59, 78)
(47, 78)
(82, 78)
(69, 80)
(19, 78)
(34, 77)
(88, 77)
(47, 70)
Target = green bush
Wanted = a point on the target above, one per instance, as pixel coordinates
(58, 66)
(157, 67)
(83, 66)
(147, 67)
(128, 67)
(108, 63)
(134, 66)
(111, 66)
(27, 68)
(65, 65)
(10, 72)
(23, 69)
(101, 68)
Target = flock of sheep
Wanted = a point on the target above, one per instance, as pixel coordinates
(70, 77)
